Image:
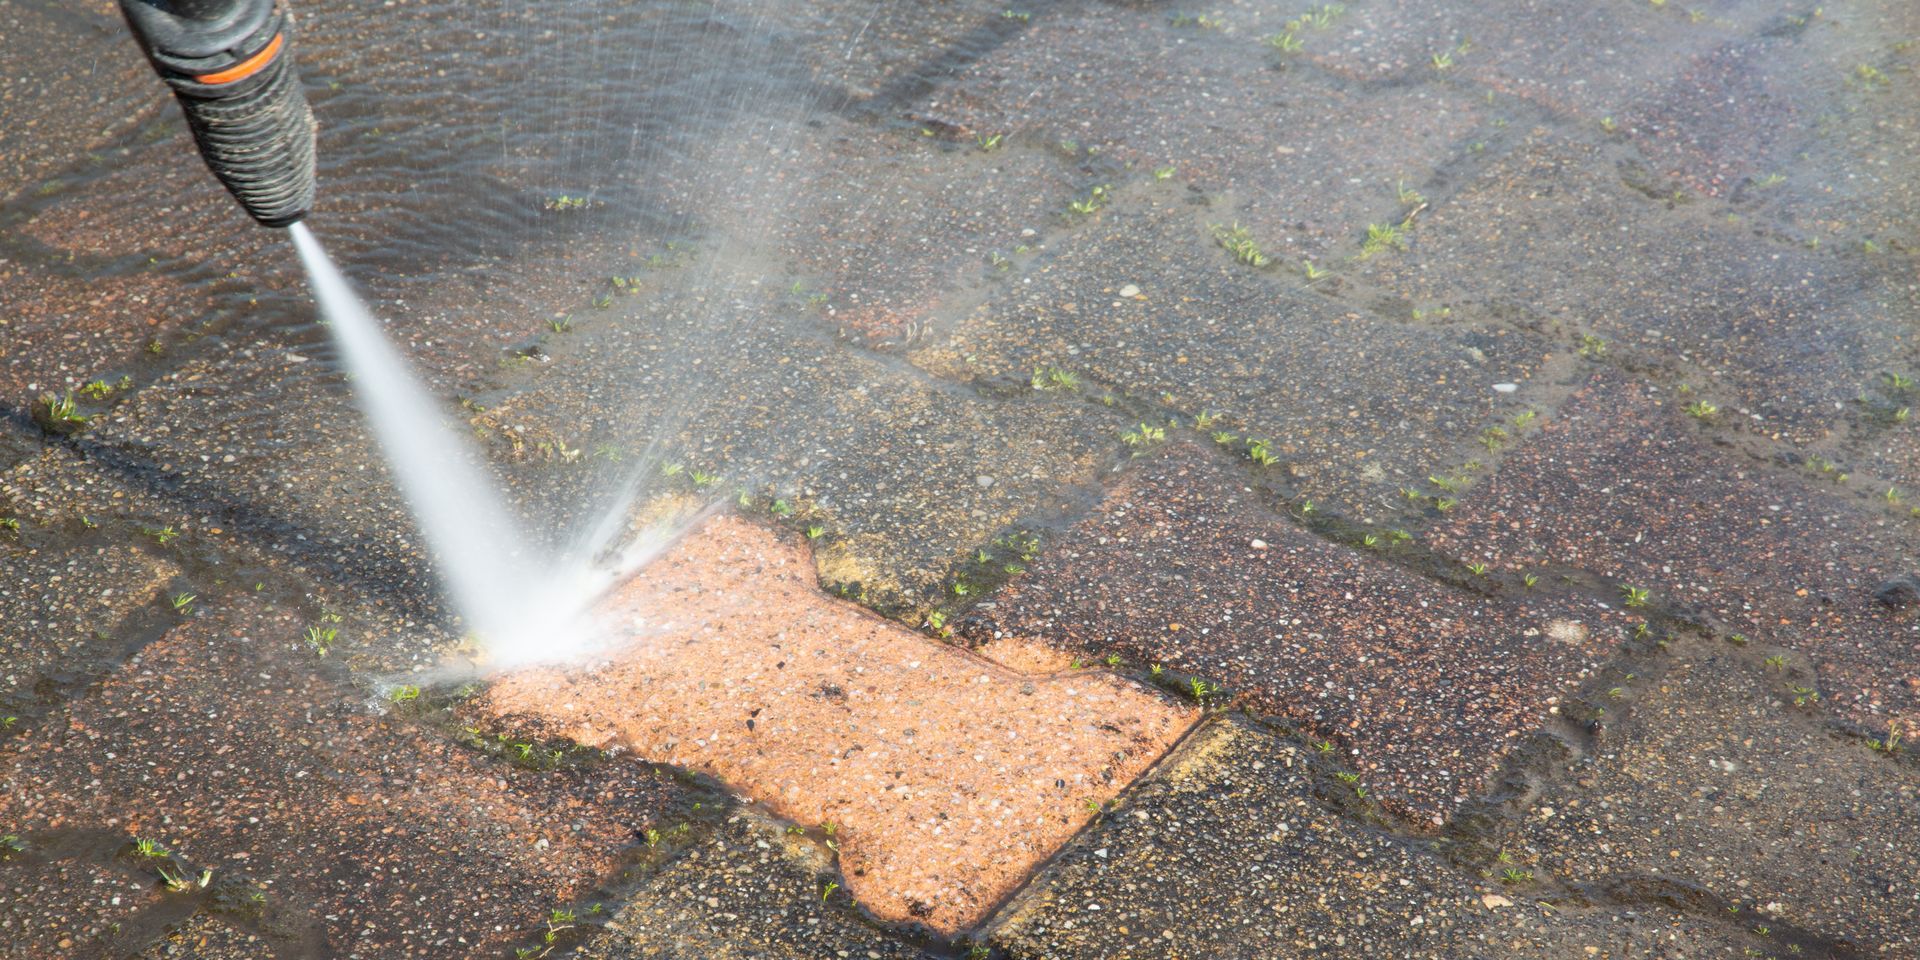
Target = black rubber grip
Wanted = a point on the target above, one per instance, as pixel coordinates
(255, 131)
(258, 141)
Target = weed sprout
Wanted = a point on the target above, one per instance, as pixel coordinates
(1239, 241)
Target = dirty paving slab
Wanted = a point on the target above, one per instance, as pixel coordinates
(1795, 119)
(230, 745)
(1578, 62)
(1141, 311)
(688, 392)
(943, 778)
(1201, 103)
(1231, 850)
(894, 231)
(1750, 316)
(755, 890)
(204, 938)
(1422, 686)
(75, 609)
(1713, 784)
(86, 335)
(57, 115)
(1624, 485)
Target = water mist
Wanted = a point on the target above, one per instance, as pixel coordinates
(523, 605)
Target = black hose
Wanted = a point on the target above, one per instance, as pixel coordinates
(229, 65)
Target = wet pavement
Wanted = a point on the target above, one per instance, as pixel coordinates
(1419, 684)
(1430, 479)
(1803, 583)
(1235, 851)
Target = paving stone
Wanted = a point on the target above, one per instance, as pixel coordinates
(1878, 447)
(1206, 860)
(68, 608)
(59, 907)
(947, 777)
(105, 296)
(1303, 163)
(1792, 119)
(267, 443)
(1618, 485)
(1424, 685)
(1586, 61)
(753, 891)
(305, 516)
(1715, 781)
(367, 836)
(290, 514)
(1744, 316)
(1729, 119)
(1227, 853)
(895, 232)
(1354, 405)
(1895, 456)
(884, 458)
(64, 331)
(874, 59)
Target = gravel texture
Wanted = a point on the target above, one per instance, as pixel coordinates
(1622, 485)
(1423, 686)
(755, 891)
(943, 282)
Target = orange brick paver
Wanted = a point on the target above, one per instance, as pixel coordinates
(947, 777)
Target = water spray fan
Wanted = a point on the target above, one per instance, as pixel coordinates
(228, 63)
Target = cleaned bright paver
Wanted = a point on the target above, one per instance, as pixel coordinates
(946, 777)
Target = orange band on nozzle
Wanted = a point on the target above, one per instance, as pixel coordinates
(247, 67)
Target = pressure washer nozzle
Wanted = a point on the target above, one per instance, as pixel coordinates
(228, 63)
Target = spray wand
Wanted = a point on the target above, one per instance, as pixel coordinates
(229, 65)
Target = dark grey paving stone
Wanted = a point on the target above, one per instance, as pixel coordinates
(1304, 161)
(751, 891)
(1354, 405)
(68, 608)
(905, 474)
(1716, 782)
(57, 114)
(1423, 687)
(1563, 237)
(1227, 853)
(1622, 485)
